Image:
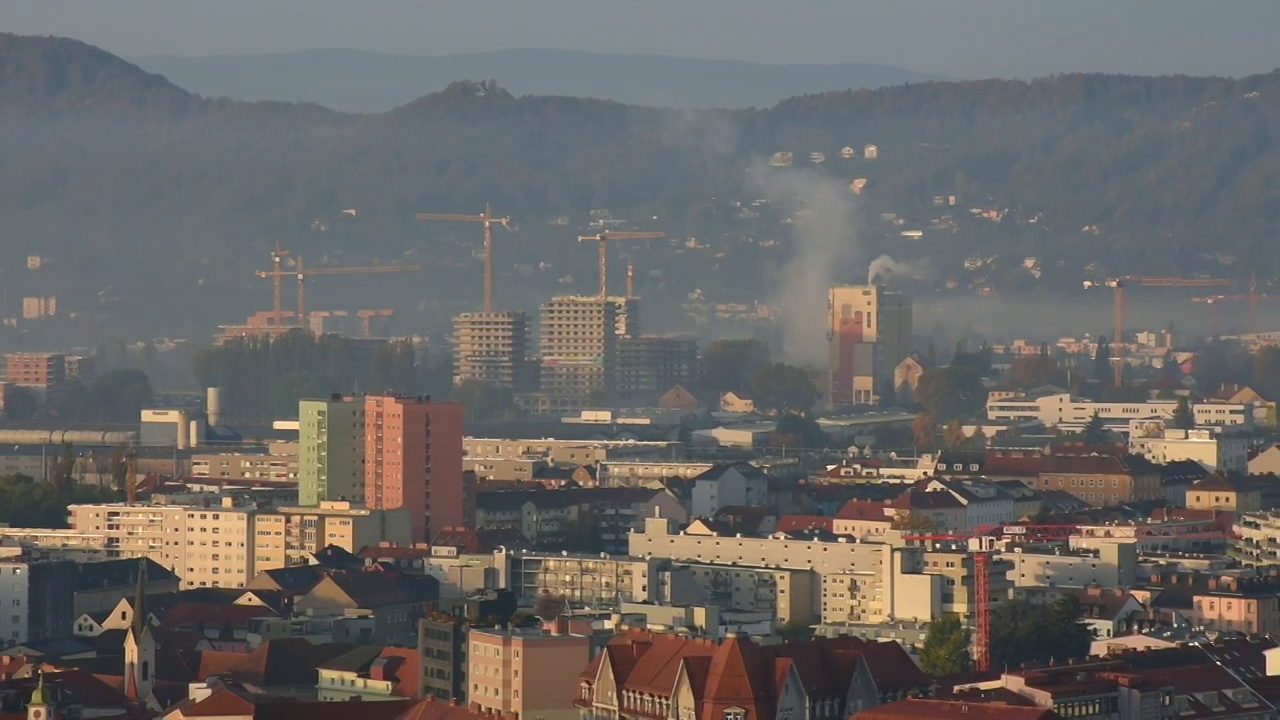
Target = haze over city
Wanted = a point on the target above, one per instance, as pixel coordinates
(569, 360)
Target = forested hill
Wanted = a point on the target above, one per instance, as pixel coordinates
(142, 190)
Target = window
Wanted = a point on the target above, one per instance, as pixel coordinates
(735, 713)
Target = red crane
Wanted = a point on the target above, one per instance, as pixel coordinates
(981, 543)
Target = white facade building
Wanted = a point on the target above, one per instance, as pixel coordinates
(1062, 410)
(722, 485)
(1213, 450)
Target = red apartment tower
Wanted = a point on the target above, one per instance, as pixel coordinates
(413, 459)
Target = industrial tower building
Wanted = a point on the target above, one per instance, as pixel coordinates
(493, 347)
(868, 334)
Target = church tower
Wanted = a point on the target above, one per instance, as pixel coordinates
(139, 645)
(38, 705)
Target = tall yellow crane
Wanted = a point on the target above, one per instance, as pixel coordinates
(606, 237)
(277, 274)
(1117, 286)
(303, 274)
(489, 220)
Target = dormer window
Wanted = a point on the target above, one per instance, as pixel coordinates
(735, 713)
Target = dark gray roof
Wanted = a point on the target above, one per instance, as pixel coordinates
(357, 661)
(121, 572)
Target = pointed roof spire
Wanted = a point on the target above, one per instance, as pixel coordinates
(37, 695)
(139, 600)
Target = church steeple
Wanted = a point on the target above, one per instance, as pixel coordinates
(140, 599)
(139, 645)
(37, 706)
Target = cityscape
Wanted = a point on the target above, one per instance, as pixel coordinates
(920, 390)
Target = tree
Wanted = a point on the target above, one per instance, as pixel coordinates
(796, 431)
(548, 607)
(731, 364)
(778, 387)
(120, 395)
(1184, 418)
(924, 431)
(1033, 371)
(1102, 360)
(1094, 432)
(20, 403)
(946, 648)
(63, 474)
(914, 522)
(795, 630)
(483, 401)
(953, 434)
(953, 392)
(1022, 632)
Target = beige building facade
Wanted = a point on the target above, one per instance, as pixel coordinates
(530, 674)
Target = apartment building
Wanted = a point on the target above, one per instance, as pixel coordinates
(578, 339)
(789, 595)
(330, 450)
(650, 365)
(225, 545)
(859, 581)
(1216, 451)
(494, 348)
(388, 452)
(1257, 538)
(246, 466)
(35, 370)
(1100, 476)
(585, 580)
(526, 673)
(442, 651)
(1066, 412)
(1110, 565)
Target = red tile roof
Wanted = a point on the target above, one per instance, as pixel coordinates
(432, 709)
(862, 510)
(800, 523)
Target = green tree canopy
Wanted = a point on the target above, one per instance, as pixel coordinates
(1022, 632)
(120, 395)
(484, 401)
(950, 393)
(797, 431)
(1184, 418)
(20, 403)
(778, 387)
(731, 364)
(1095, 432)
(946, 647)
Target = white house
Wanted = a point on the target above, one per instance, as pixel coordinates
(729, 484)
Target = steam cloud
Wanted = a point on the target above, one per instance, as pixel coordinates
(825, 239)
(885, 267)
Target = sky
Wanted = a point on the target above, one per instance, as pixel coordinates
(961, 38)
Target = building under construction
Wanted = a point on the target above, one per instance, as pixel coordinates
(578, 339)
(493, 347)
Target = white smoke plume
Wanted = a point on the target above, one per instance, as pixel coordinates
(824, 240)
(885, 267)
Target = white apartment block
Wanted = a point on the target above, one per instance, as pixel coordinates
(1215, 451)
(1111, 565)
(227, 545)
(1065, 411)
(859, 582)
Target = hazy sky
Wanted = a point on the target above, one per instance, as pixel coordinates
(956, 37)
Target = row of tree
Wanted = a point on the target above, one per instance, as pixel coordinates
(1021, 632)
(264, 378)
(115, 396)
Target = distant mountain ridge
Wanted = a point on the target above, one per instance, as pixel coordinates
(366, 82)
(169, 201)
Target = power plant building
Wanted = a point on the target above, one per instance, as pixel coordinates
(868, 334)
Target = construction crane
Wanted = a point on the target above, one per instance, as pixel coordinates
(606, 237)
(1253, 297)
(303, 274)
(489, 220)
(277, 274)
(1118, 285)
(981, 544)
